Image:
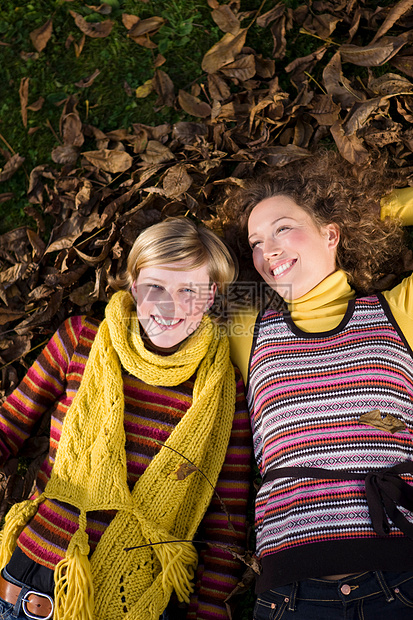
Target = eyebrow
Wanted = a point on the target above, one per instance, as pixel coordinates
(148, 279)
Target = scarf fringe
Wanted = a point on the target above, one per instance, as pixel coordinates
(74, 593)
(15, 521)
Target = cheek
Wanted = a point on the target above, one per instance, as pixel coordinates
(257, 260)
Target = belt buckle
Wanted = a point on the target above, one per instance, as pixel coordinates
(42, 595)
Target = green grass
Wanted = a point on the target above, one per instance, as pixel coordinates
(187, 34)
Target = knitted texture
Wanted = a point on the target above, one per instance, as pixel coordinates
(90, 469)
(307, 414)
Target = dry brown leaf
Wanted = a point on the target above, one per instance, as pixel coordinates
(11, 166)
(324, 110)
(395, 13)
(37, 105)
(95, 30)
(7, 315)
(146, 26)
(145, 41)
(302, 66)
(67, 154)
(159, 61)
(29, 55)
(403, 63)
(5, 196)
(12, 274)
(176, 181)
(265, 67)
(64, 235)
(225, 19)
(325, 24)
(103, 9)
(390, 84)
(373, 55)
(183, 471)
(275, 13)
(224, 52)
(164, 87)
(40, 36)
(389, 423)
(110, 161)
(241, 69)
(88, 81)
(382, 132)
(188, 132)
(278, 31)
(24, 97)
(337, 86)
(79, 46)
(81, 296)
(193, 106)
(360, 114)
(71, 129)
(129, 21)
(37, 244)
(156, 153)
(350, 147)
(218, 88)
(354, 24)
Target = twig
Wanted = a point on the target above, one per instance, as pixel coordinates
(206, 478)
(17, 358)
(310, 34)
(7, 144)
(315, 81)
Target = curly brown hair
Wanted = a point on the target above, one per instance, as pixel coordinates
(331, 191)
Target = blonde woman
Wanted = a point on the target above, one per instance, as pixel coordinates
(133, 399)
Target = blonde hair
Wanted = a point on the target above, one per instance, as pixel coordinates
(179, 239)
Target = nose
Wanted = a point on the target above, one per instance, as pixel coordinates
(167, 303)
(270, 249)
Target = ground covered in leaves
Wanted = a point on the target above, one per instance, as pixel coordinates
(254, 102)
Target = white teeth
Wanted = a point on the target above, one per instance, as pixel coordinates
(166, 322)
(279, 270)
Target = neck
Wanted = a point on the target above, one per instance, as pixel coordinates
(153, 348)
(324, 306)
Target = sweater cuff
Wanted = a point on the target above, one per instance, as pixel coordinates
(398, 204)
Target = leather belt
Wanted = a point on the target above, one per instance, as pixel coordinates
(34, 604)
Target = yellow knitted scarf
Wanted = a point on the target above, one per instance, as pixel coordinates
(90, 473)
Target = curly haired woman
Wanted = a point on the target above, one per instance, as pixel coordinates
(330, 392)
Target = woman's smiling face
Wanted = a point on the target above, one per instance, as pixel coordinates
(289, 250)
(170, 304)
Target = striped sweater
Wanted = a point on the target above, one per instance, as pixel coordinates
(151, 413)
(306, 394)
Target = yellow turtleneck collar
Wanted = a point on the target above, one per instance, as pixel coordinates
(322, 308)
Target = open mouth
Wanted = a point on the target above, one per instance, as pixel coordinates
(280, 270)
(163, 322)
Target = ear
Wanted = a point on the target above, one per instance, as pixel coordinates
(211, 296)
(333, 235)
(134, 290)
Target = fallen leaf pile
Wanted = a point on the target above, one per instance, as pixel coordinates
(244, 113)
(103, 188)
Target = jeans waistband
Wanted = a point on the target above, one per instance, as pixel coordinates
(345, 590)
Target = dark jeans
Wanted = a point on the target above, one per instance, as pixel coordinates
(174, 611)
(367, 596)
